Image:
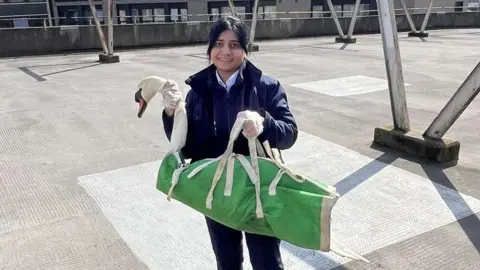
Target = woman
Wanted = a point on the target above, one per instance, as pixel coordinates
(232, 85)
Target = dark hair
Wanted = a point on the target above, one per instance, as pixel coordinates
(228, 23)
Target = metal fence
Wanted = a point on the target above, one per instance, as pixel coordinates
(42, 20)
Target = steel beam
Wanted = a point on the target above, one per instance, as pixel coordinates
(427, 16)
(49, 12)
(407, 14)
(99, 27)
(455, 106)
(393, 65)
(110, 26)
(354, 19)
(251, 45)
(335, 18)
(232, 8)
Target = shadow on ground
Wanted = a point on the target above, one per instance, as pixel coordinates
(434, 172)
(40, 77)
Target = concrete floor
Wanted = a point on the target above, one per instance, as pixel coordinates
(77, 167)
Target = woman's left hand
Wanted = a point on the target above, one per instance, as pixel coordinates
(253, 125)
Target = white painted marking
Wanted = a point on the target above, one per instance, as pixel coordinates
(346, 86)
(381, 205)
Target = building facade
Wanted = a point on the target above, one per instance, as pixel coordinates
(23, 13)
(420, 6)
(150, 11)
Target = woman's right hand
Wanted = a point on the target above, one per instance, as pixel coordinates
(171, 96)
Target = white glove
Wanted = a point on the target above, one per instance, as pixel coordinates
(253, 125)
(171, 94)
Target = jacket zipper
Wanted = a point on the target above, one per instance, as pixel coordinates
(228, 111)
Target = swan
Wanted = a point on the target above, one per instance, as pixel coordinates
(147, 89)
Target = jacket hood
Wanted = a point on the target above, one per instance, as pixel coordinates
(204, 79)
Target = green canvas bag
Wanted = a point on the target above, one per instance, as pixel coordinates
(254, 194)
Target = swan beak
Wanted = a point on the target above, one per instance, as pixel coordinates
(142, 104)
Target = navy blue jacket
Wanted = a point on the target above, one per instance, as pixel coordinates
(211, 112)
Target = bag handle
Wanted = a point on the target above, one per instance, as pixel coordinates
(254, 176)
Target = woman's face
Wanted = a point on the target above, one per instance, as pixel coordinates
(227, 54)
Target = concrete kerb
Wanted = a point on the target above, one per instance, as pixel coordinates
(347, 40)
(253, 48)
(417, 34)
(413, 142)
(108, 58)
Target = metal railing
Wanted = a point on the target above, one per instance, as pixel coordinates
(42, 20)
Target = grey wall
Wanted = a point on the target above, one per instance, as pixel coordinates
(29, 41)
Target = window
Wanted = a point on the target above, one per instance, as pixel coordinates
(135, 15)
(363, 10)
(215, 14)
(184, 14)
(343, 8)
(122, 14)
(268, 8)
(174, 14)
(178, 12)
(147, 15)
(216, 9)
(150, 13)
(459, 6)
(159, 14)
(316, 11)
(20, 22)
(270, 12)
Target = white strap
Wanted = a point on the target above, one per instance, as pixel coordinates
(236, 129)
(175, 177)
(254, 159)
(272, 189)
(260, 151)
(202, 166)
(216, 178)
(277, 156)
(255, 180)
(230, 169)
(295, 176)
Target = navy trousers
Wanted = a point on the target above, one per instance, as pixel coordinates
(264, 251)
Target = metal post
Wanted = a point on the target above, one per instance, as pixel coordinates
(409, 18)
(354, 19)
(455, 106)
(49, 12)
(335, 18)
(393, 64)
(254, 22)
(99, 27)
(110, 26)
(427, 16)
(232, 8)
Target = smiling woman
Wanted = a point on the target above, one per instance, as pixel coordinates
(231, 87)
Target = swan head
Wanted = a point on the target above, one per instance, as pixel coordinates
(146, 90)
